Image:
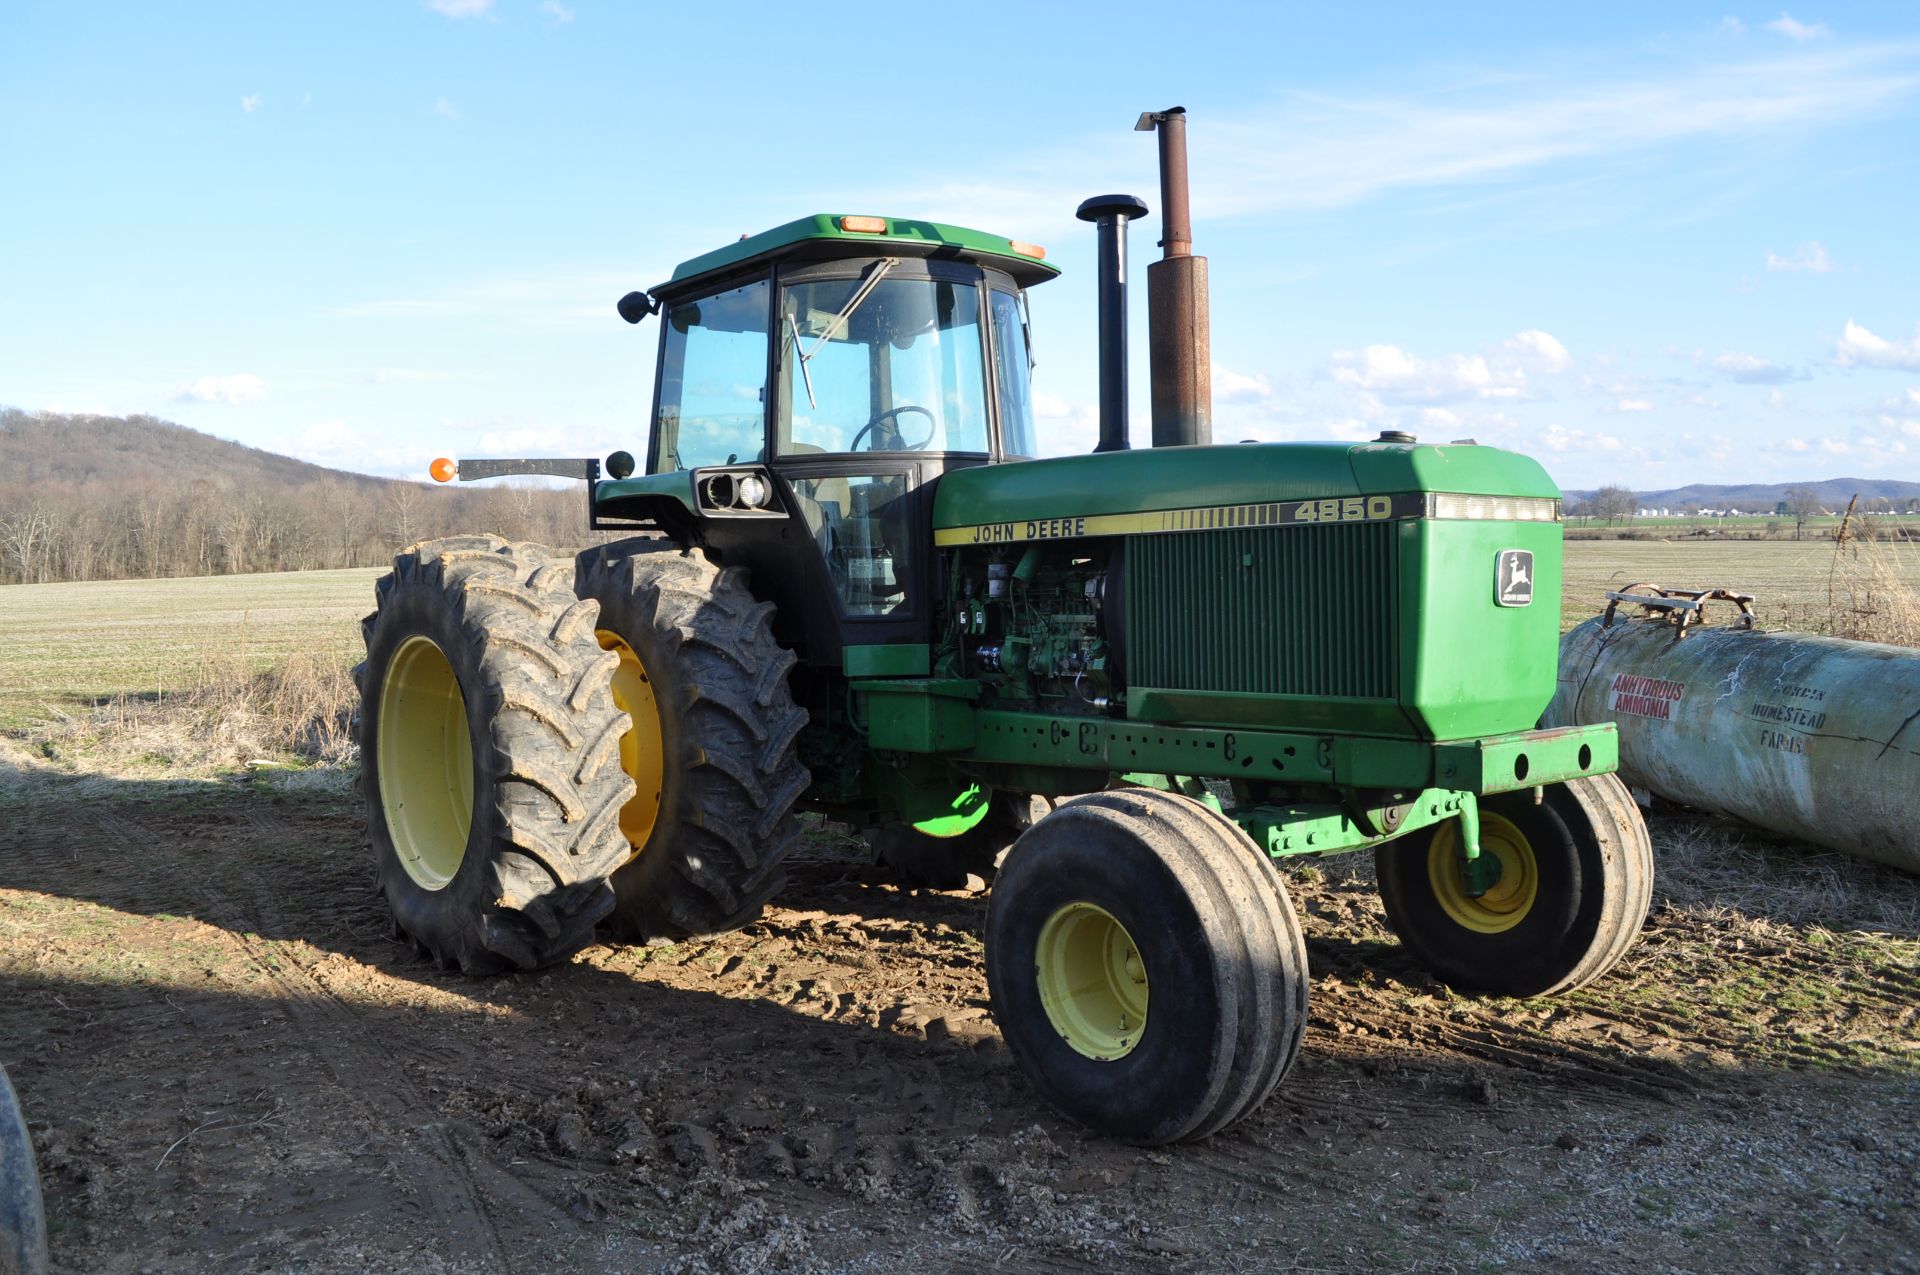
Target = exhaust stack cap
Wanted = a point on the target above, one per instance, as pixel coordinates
(1101, 206)
(1396, 436)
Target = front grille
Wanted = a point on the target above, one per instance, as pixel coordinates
(1301, 610)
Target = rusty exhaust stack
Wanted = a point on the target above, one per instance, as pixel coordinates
(1112, 213)
(1179, 337)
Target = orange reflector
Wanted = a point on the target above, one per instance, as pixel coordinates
(443, 470)
(1027, 249)
(866, 225)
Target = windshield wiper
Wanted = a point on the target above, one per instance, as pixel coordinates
(805, 375)
(854, 302)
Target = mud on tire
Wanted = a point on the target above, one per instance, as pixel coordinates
(709, 848)
(489, 747)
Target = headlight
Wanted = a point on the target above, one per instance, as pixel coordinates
(753, 491)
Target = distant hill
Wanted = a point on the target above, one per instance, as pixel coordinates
(109, 497)
(48, 447)
(1834, 493)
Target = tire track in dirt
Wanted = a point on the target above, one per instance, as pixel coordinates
(372, 1077)
(444, 1169)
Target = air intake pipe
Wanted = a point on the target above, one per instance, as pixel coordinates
(1112, 213)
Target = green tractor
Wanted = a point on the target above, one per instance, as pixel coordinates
(850, 588)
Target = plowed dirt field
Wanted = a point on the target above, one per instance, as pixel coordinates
(231, 1066)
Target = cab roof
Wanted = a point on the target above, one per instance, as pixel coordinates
(824, 235)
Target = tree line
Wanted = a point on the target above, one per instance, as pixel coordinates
(108, 516)
(1615, 504)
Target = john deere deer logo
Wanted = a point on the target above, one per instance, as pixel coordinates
(1513, 578)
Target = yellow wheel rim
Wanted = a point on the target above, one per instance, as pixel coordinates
(1092, 981)
(642, 754)
(426, 763)
(1509, 899)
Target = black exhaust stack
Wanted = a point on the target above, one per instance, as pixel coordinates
(1111, 213)
(1178, 333)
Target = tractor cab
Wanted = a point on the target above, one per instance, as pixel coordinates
(814, 382)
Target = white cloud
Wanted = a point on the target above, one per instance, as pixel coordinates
(1858, 347)
(1439, 417)
(1751, 369)
(1389, 374)
(1558, 438)
(460, 8)
(338, 445)
(1731, 25)
(1799, 32)
(1322, 151)
(1541, 348)
(241, 387)
(1230, 386)
(248, 102)
(1066, 428)
(557, 11)
(1810, 257)
(445, 109)
(1633, 405)
(1777, 399)
(1395, 376)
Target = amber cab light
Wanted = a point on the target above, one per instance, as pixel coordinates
(865, 225)
(1033, 250)
(443, 470)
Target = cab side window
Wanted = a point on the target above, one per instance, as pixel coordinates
(713, 380)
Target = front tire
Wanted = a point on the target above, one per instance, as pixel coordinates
(712, 753)
(1145, 966)
(1575, 882)
(489, 755)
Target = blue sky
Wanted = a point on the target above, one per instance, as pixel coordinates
(1649, 244)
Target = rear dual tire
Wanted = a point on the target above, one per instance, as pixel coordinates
(711, 821)
(490, 754)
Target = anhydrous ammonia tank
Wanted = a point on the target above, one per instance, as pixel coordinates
(1814, 737)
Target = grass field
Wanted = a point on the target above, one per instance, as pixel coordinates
(65, 646)
(1788, 579)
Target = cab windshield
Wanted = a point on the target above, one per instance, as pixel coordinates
(901, 368)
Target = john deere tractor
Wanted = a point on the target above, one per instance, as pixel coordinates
(850, 588)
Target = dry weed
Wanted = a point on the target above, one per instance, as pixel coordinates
(299, 711)
(1712, 867)
(1868, 597)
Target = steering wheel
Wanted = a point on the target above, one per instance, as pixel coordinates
(893, 414)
